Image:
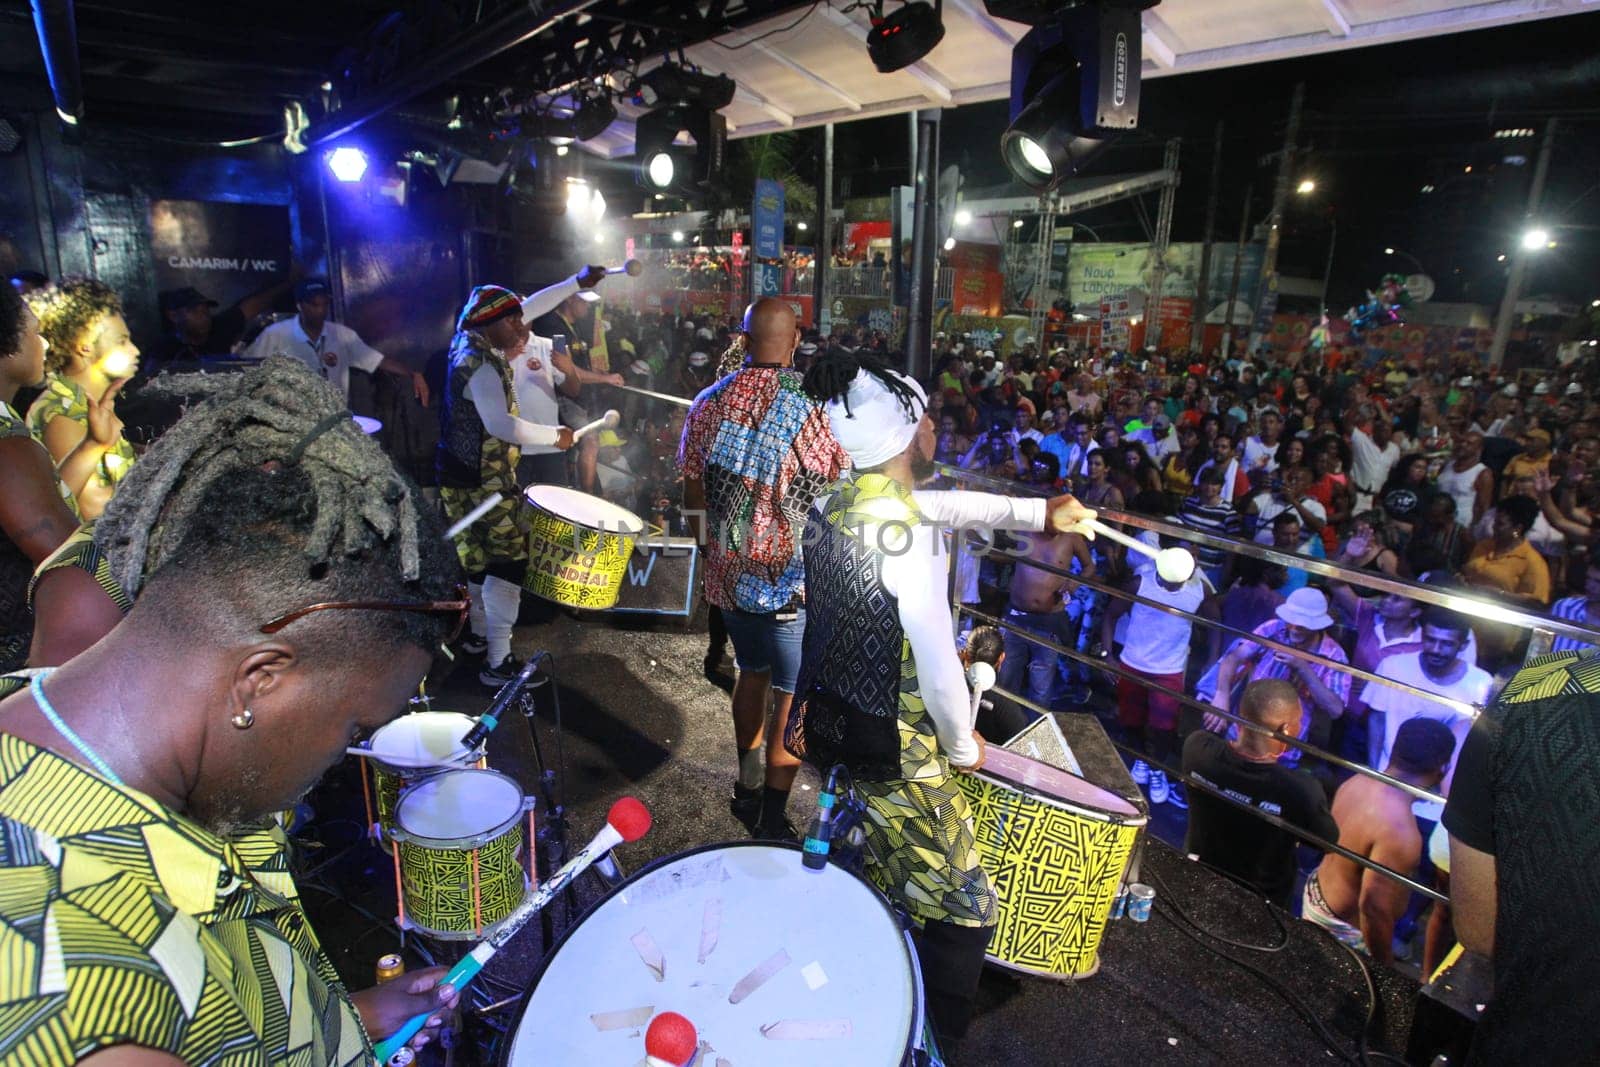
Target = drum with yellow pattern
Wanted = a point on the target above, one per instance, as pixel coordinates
(578, 546)
(1055, 847)
(459, 846)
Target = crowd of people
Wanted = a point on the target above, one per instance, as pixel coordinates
(1445, 473)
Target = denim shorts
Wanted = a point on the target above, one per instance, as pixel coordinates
(761, 644)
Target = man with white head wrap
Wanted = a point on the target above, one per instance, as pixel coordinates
(881, 689)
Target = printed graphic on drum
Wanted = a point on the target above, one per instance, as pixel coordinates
(409, 749)
(578, 546)
(1055, 847)
(774, 964)
(460, 841)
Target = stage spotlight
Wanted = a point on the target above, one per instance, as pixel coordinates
(905, 36)
(680, 149)
(348, 164)
(1074, 80)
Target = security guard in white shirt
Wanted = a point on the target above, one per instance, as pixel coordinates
(327, 347)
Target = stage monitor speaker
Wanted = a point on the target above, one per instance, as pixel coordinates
(662, 578)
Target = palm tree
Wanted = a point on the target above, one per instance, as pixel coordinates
(772, 156)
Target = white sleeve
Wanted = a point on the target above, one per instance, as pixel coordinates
(548, 299)
(362, 355)
(958, 508)
(265, 344)
(917, 578)
(488, 395)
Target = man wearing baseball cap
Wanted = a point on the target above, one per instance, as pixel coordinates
(327, 347)
(194, 329)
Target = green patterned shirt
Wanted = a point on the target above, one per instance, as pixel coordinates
(122, 922)
(64, 398)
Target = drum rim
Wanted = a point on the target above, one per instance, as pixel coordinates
(404, 836)
(527, 497)
(461, 763)
(918, 1009)
(1135, 820)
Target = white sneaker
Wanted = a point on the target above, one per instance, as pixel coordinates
(1158, 787)
(1140, 772)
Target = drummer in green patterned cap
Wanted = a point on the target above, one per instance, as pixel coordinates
(480, 439)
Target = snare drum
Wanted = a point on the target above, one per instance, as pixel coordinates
(578, 546)
(774, 965)
(1055, 847)
(459, 843)
(417, 746)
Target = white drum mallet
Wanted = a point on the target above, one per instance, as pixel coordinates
(1172, 564)
(608, 421)
(981, 677)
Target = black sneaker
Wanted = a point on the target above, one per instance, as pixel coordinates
(783, 830)
(745, 804)
(473, 645)
(496, 676)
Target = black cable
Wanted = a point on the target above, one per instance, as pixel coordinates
(1288, 995)
(781, 29)
(1171, 898)
(1364, 1053)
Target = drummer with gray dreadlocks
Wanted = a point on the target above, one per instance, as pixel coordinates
(481, 437)
(881, 688)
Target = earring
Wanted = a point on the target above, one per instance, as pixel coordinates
(244, 720)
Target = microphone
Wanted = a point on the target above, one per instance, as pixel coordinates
(502, 700)
(608, 421)
(632, 268)
(819, 836)
(628, 820)
(670, 1041)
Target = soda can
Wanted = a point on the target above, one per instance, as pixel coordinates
(1140, 899)
(1119, 903)
(390, 966)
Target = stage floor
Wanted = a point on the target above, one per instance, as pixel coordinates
(641, 718)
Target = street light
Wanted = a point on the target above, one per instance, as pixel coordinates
(1403, 254)
(1535, 239)
(1306, 186)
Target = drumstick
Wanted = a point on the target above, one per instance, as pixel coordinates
(475, 514)
(628, 820)
(632, 268)
(608, 421)
(681, 401)
(981, 677)
(1173, 564)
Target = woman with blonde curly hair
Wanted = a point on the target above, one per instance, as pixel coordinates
(90, 355)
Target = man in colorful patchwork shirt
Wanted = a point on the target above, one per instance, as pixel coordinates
(755, 452)
(881, 687)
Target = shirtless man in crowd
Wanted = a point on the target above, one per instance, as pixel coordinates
(1356, 905)
(1036, 606)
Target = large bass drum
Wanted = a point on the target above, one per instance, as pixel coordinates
(774, 964)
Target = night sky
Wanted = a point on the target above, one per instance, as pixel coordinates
(1379, 124)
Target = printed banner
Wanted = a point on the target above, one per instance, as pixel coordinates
(227, 251)
(766, 218)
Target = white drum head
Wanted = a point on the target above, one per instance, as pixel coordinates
(820, 969)
(581, 509)
(424, 738)
(458, 804)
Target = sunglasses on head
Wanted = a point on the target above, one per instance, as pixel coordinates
(458, 607)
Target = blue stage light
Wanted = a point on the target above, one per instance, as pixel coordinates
(347, 164)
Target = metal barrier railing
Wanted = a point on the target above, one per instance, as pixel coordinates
(1543, 628)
